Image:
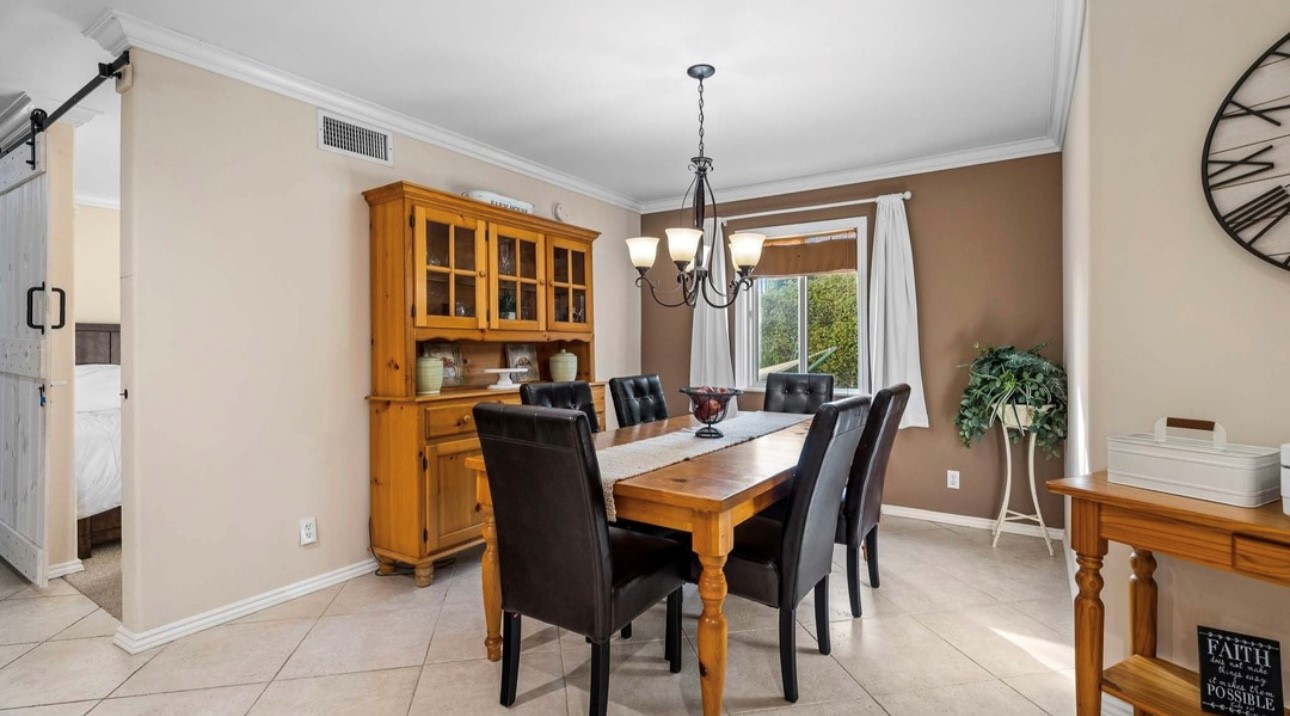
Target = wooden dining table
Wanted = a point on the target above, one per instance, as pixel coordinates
(706, 496)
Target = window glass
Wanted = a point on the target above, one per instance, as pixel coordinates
(831, 336)
(777, 326)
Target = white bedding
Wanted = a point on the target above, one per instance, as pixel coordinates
(98, 439)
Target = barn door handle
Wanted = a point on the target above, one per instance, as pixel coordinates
(31, 307)
(62, 308)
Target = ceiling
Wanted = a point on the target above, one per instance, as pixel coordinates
(595, 93)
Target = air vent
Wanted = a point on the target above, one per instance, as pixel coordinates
(345, 136)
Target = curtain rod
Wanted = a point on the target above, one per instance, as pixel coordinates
(873, 199)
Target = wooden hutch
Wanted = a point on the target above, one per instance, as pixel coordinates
(447, 268)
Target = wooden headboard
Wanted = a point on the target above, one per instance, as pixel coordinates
(98, 343)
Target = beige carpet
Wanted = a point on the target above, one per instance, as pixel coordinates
(101, 580)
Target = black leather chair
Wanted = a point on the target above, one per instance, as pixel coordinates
(574, 395)
(638, 399)
(862, 505)
(559, 560)
(797, 392)
(777, 562)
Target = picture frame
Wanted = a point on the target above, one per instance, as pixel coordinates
(523, 355)
(454, 369)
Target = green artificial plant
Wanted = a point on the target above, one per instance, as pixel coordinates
(1006, 376)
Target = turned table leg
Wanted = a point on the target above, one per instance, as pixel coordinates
(712, 632)
(1090, 614)
(492, 585)
(1142, 605)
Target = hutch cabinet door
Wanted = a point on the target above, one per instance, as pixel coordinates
(450, 290)
(570, 285)
(517, 263)
(453, 517)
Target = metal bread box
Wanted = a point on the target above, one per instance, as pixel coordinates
(1213, 470)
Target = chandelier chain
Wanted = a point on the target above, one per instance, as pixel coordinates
(700, 117)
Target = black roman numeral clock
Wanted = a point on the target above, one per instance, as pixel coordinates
(1246, 167)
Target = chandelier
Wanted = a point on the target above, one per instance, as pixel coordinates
(688, 246)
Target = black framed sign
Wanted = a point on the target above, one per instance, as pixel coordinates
(1239, 674)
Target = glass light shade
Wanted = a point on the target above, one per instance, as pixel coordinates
(683, 244)
(642, 250)
(745, 249)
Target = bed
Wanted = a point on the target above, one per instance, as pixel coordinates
(98, 436)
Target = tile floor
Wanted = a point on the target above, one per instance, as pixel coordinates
(957, 628)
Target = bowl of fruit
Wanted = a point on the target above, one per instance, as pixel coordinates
(709, 406)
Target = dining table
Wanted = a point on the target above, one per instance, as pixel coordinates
(707, 496)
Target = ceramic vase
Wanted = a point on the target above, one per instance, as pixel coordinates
(564, 366)
(429, 375)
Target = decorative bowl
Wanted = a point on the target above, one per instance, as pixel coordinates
(710, 407)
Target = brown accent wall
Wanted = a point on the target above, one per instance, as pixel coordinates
(988, 266)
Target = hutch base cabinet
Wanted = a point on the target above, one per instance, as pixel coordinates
(450, 269)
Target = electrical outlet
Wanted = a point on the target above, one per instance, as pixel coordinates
(952, 479)
(308, 531)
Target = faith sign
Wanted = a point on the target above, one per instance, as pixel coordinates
(1239, 674)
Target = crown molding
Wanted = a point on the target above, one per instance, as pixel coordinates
(101, 202)
(1069, 32)
(116, 31)
(890, 170)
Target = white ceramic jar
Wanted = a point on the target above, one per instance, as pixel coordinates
(429, 375)
(564, 366)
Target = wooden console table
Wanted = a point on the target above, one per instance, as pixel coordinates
(1252, 542)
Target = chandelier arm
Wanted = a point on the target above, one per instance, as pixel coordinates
(680, 213)
(653, 291)
(734, 295)
(716, 246)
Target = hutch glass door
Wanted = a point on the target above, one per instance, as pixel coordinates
(450, 287)
(570, 285)
(519, 284)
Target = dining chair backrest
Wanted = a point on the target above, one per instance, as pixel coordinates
(638, 399)
(863, 505)
(797, 392)
(572, 395)
(552, 534)
(822, 469)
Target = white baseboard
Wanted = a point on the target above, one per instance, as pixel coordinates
(984, 523)
(62, 570)
(136, 642)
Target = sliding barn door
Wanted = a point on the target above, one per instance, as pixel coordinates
(23, 309)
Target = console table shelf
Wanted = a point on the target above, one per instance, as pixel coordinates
(1251, 542)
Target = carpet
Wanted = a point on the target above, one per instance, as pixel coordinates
(101, 580)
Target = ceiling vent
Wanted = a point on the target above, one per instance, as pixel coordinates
(345, 136)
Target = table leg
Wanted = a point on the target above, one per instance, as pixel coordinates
(1142, 605)
(712, 632)
(492, 583)
(1090, 614)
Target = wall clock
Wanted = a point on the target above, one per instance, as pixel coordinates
(1246, 162)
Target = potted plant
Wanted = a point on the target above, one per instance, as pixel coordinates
(506, 305)
(1021, 388)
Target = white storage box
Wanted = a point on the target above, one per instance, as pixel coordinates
(1285, 478)
(1241, 475)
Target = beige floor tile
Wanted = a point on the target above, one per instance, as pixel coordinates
(223, 701)
(10, 582)
(363, 642)
(223, 656)
(1056, 614)
(64, 671)
(371, 693)
(1053, 692)
(56, 588)
(640, 681)
(891, 654)
(459, 635)
(1003, 640)
(873, 603)
(753, 679)
(76, 708)
(30, 620)
(310, 606)
(919, 587)
(741, 614)
(650, 626)
(987, 697)
(858, 707)
(12, 651)
(472, 687)
(397, 593)
(98, 623)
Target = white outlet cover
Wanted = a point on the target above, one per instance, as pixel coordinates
(308, 531)
(952, 479)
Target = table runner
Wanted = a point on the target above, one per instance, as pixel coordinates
(637, 458)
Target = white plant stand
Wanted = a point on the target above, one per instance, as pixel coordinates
(1010, 515)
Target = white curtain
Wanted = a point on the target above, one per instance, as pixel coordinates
(710, 362)
(893, 310)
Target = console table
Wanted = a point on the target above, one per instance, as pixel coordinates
(1252, 542)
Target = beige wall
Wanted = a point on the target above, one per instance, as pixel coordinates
(1182, 320)
(987, 264)
(98, 265)
(247, 334)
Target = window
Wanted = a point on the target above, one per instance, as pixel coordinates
(806, 313)
(807, 324)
